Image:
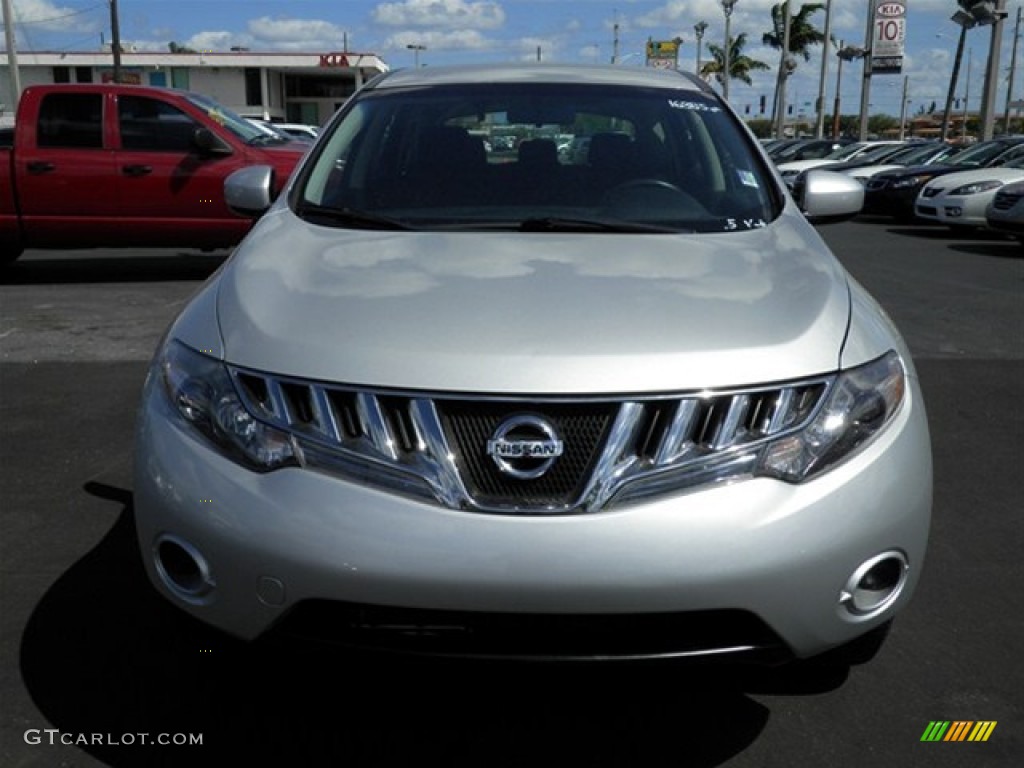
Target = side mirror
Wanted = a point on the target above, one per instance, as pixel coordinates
(209, 143)
(248, 191)
(826, 197)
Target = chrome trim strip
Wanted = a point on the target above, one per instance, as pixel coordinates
(677, 442)
(372, 420)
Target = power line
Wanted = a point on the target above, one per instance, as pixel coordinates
(22, 22)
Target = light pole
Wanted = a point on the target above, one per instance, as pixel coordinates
(1013, 71)
(966, 21)
(988, 103)
(699, 29)
(416, 53)
(967, 95)
(865, 91)
(727, 6)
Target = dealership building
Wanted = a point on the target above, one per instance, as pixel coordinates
(291, 87)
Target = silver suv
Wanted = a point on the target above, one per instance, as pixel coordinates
(457, 397)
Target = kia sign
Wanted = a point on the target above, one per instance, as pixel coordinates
(888, 35)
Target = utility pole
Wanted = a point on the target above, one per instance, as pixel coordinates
(819, 128)
(967, 94)
(988, 104)
(839, 85)
(944, 133)
(615, 43)
(12, 55)
(780, 126)
(865, 90)
(1013, 71)
(903, 110)
(115, 37)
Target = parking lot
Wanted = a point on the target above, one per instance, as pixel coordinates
(88, 650)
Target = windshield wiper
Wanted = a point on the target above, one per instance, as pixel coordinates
(566, 224)
(350, 217)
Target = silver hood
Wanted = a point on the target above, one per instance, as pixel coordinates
(533, 313)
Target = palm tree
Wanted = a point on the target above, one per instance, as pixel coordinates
(802, 35)
(740, 65)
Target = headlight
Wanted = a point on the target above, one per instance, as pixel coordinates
(909, 181)
(203, 395)
(860, 403)
(976, 187)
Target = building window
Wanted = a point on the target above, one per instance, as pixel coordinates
(314, 87)
(62, 74)
(83, 74)
(253, 87)
(179, 78)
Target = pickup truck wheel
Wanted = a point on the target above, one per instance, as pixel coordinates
(10, 253)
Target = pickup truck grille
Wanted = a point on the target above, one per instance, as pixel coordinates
(576, 454)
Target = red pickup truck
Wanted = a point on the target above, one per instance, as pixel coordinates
(123, 165)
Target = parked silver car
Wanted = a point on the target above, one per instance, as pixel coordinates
(621, 405)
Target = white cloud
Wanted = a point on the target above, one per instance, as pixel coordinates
(455, 40)
(441, 13)
(310, 33)
(44, 16)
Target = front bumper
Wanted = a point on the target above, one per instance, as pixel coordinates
(952, 211)
(272, 545)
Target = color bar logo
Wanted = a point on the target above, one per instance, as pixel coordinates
(958, 730)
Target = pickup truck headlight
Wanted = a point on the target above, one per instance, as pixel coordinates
(860, 404)
(203, 396)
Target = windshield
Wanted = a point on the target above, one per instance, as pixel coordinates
(850, 150)
(537, 157)
(238, 125)
(980, 155)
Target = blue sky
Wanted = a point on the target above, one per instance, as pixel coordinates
(468, 31)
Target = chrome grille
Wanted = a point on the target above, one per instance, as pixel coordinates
(435, 446)
(470, 425)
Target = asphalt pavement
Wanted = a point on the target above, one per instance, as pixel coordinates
(91, 656)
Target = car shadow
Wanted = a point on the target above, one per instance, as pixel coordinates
(103, 653)
(141, 266)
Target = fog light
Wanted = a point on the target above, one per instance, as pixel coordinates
(954, 212)
(875, 585)
(182, 568)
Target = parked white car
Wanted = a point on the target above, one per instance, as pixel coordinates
(297, 130)
(789, 171)
(960, 199)
(1006, 211)
(926, 153)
